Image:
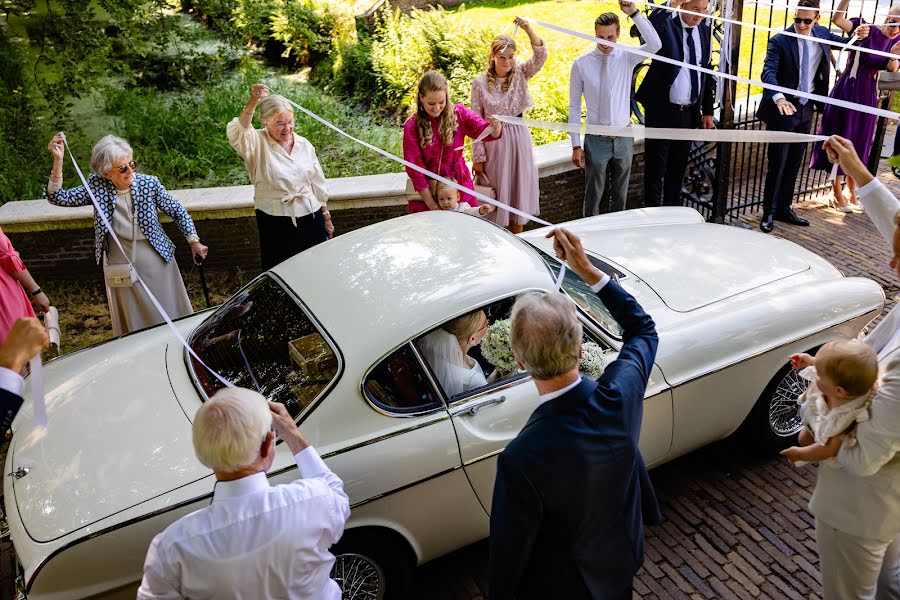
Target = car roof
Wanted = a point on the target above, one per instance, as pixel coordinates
(376, 287)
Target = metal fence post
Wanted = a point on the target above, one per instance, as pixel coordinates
(726, 118)
(878, 141)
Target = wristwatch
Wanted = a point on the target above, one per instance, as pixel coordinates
(35, 292)
(635, 13)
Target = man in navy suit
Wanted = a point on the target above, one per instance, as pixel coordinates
(24, 340)
(572, 492)
(673, 96)
(801, 65)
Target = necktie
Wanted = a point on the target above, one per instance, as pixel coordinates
(605, 91)
(692, 55)
(804, 70)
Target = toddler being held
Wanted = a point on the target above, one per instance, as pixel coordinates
(447, 198)
(842, 380)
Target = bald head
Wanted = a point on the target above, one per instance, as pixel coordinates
(546, 334)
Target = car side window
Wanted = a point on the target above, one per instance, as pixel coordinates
(485, 365)
(399, 384)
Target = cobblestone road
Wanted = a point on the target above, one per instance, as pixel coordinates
(736, 527)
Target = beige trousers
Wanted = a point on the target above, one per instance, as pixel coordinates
(855, 568)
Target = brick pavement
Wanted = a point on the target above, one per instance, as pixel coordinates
(736, 527)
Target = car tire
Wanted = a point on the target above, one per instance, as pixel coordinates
(372, 566)
(774, 422)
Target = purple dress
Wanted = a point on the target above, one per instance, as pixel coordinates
(858, 83)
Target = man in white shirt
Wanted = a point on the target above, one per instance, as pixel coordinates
(253, 541)
(603, 77)
(675, 96)
(22, 343)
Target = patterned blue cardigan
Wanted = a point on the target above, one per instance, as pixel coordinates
(149, 198)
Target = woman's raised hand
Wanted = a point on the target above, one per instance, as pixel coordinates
(522, 24)
(258, 91)
(862, 32)
(55, 147)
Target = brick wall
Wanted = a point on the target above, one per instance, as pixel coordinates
(68, 253)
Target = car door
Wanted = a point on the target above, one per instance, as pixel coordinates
(486, 422)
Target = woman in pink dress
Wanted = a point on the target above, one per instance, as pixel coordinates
(434, 136)
(509, 164)
(16, 287)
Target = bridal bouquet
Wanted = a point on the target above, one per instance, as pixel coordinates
(495, 348)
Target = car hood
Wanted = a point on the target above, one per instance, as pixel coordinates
(690, 266)
(116, 437)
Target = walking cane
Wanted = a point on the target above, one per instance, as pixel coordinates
(203, 285)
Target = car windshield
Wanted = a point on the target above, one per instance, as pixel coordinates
(584, 296)
(262, 339)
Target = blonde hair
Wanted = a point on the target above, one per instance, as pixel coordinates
(432, 81)
(850, 364)
(229, 429)
(464, 327)
(500, 43)
(106, 151)
(437, 186)
(545, 334)
(272, 105)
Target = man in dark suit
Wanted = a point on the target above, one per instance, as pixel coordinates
(675, 97)
(24, 340)
(800, 65)
(572, 492)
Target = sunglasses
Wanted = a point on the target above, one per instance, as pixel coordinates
(125, 168)
(892, 23)
(798, 20)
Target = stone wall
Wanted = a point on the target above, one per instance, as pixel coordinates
(57, 244)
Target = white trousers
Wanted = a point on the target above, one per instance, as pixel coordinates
(855, 568)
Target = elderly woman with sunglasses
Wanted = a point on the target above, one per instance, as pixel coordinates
(289, 186)
(858, 83)
(131, 202)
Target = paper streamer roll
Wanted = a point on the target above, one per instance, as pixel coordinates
(777, 88)
(36, 381)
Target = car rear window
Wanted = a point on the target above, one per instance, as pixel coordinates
(264, 340)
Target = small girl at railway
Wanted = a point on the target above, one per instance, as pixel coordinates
(447, 198)
(842, 380)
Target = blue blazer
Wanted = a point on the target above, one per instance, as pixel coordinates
(572, 492)
(9, 406)
(782, 67)
(149, 196)
(654, 91)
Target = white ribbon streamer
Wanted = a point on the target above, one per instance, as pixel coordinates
(756, 136)
(150, 295)
(774, 30)
(36, 381)
(784, 90)
(798, 7)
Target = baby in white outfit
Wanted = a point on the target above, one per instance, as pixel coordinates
(447, 198)
(841, 385)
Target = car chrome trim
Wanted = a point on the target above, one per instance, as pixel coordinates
(520, 378)
(404, 487)
(675, 383)
(472, 461)
(473, 408)
(320, 329)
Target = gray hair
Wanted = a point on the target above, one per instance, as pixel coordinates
(545, 334)
(272, 105)
(105, 152)
(229, 429)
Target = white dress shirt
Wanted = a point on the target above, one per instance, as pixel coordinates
(680, 92)
(547, 397)
(11, 381)
(609, 102)
(254, 541)
(285, 185)
(815, 55)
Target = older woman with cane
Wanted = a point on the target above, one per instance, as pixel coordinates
(289, 186)
(131, 202)
(857, 506)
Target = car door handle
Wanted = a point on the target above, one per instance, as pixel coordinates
(477, 406)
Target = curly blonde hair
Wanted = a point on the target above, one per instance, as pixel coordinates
(432, 81)
(500, 43)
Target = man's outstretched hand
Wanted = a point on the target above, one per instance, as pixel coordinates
(568, 247)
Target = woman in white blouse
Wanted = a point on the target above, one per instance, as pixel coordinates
(289, 185)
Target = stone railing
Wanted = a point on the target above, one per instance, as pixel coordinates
(57, 243)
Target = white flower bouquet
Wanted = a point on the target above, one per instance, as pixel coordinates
(495, 348)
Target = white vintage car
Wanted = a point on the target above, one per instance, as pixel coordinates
(332, 334)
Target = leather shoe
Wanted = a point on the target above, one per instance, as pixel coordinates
(789, 216)
(767, 224)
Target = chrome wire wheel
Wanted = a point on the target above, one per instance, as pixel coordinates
(359, 577)
(784, 412)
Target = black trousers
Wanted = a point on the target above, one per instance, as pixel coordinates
(784, 162)
(666, 160)
(279, 239)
